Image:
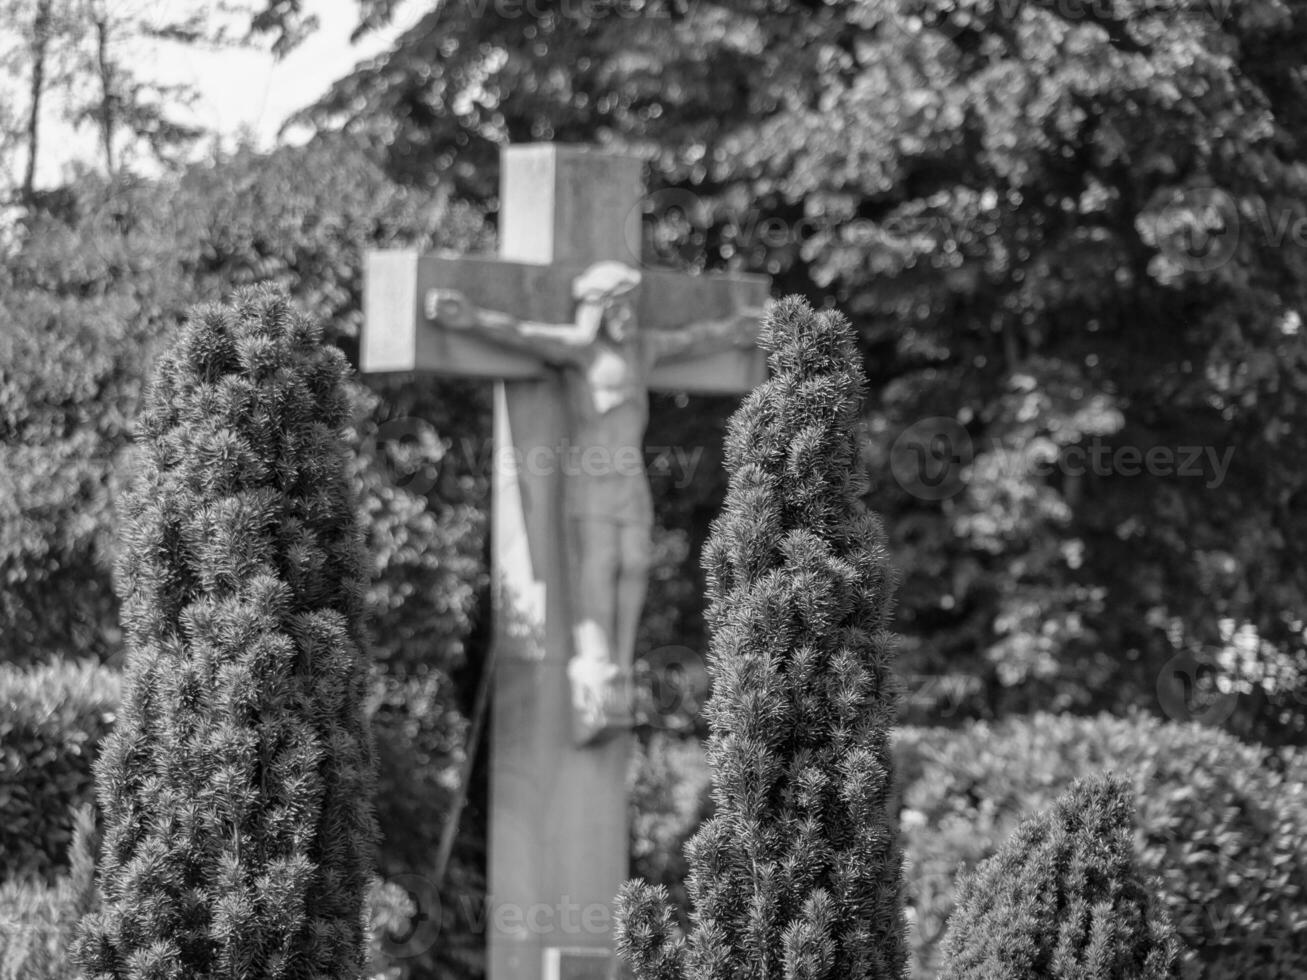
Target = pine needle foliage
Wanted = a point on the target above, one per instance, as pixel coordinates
(1064, 899)
(798, 875)
(236, 787)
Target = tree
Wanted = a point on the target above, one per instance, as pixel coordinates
(1105, 263)
(126, 108)
(32, 55)
(798, 873)
(236, 788)
(1064, 898)
(90, 62)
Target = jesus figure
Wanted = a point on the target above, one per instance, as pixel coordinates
(606, 361)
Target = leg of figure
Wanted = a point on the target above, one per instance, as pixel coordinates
(594, 618)
(632, 586)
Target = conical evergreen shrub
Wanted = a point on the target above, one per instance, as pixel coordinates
(236, 786)
(798, 875)
(1063, 899)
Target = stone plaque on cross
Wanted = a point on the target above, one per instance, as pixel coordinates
(575, 333)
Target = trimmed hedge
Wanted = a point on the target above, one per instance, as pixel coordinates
(52, 717)
(38, 919)
(35, 927)
(1223, 827)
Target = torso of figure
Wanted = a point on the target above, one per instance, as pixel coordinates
(608, 404)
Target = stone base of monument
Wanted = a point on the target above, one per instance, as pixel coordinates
(578, 963)
(598, 715)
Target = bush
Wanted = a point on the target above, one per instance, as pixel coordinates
(52, 717)
(1223, 827)
(420, 745)
(236, 788)
(34, 930)
(84, 295)
(1063, 899)
(670, 796)
(38, 919)
(797, 874)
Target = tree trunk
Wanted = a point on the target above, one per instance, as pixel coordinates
(104, 66)
(40, 44)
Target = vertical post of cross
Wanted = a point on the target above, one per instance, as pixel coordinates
(558, 813)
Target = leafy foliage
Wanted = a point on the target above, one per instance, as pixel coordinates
(670, 796)
(1102, 260)
(301, 218)
(85, 293)
(236, 788)
(38, 919)
(52, 717)
(34, 933)
(1063, 898)
(797, 874)
(101, 273)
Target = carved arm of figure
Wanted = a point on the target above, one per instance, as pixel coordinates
(738, 331)
(558, 342)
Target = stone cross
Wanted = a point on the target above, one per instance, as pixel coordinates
(574, 333)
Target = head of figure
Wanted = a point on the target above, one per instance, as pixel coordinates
(605, 295)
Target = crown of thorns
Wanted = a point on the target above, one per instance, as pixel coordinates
(604, 280)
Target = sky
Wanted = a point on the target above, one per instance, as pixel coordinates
(239, 90)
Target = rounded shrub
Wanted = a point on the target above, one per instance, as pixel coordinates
(1063, 899)
(1222, 827)
(52, 718)
(33, 930)
(39, 918)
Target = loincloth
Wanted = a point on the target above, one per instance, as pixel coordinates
(614, 499)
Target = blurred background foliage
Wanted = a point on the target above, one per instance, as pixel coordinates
(1058, 228)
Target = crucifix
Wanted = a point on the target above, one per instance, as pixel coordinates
(575, 334)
